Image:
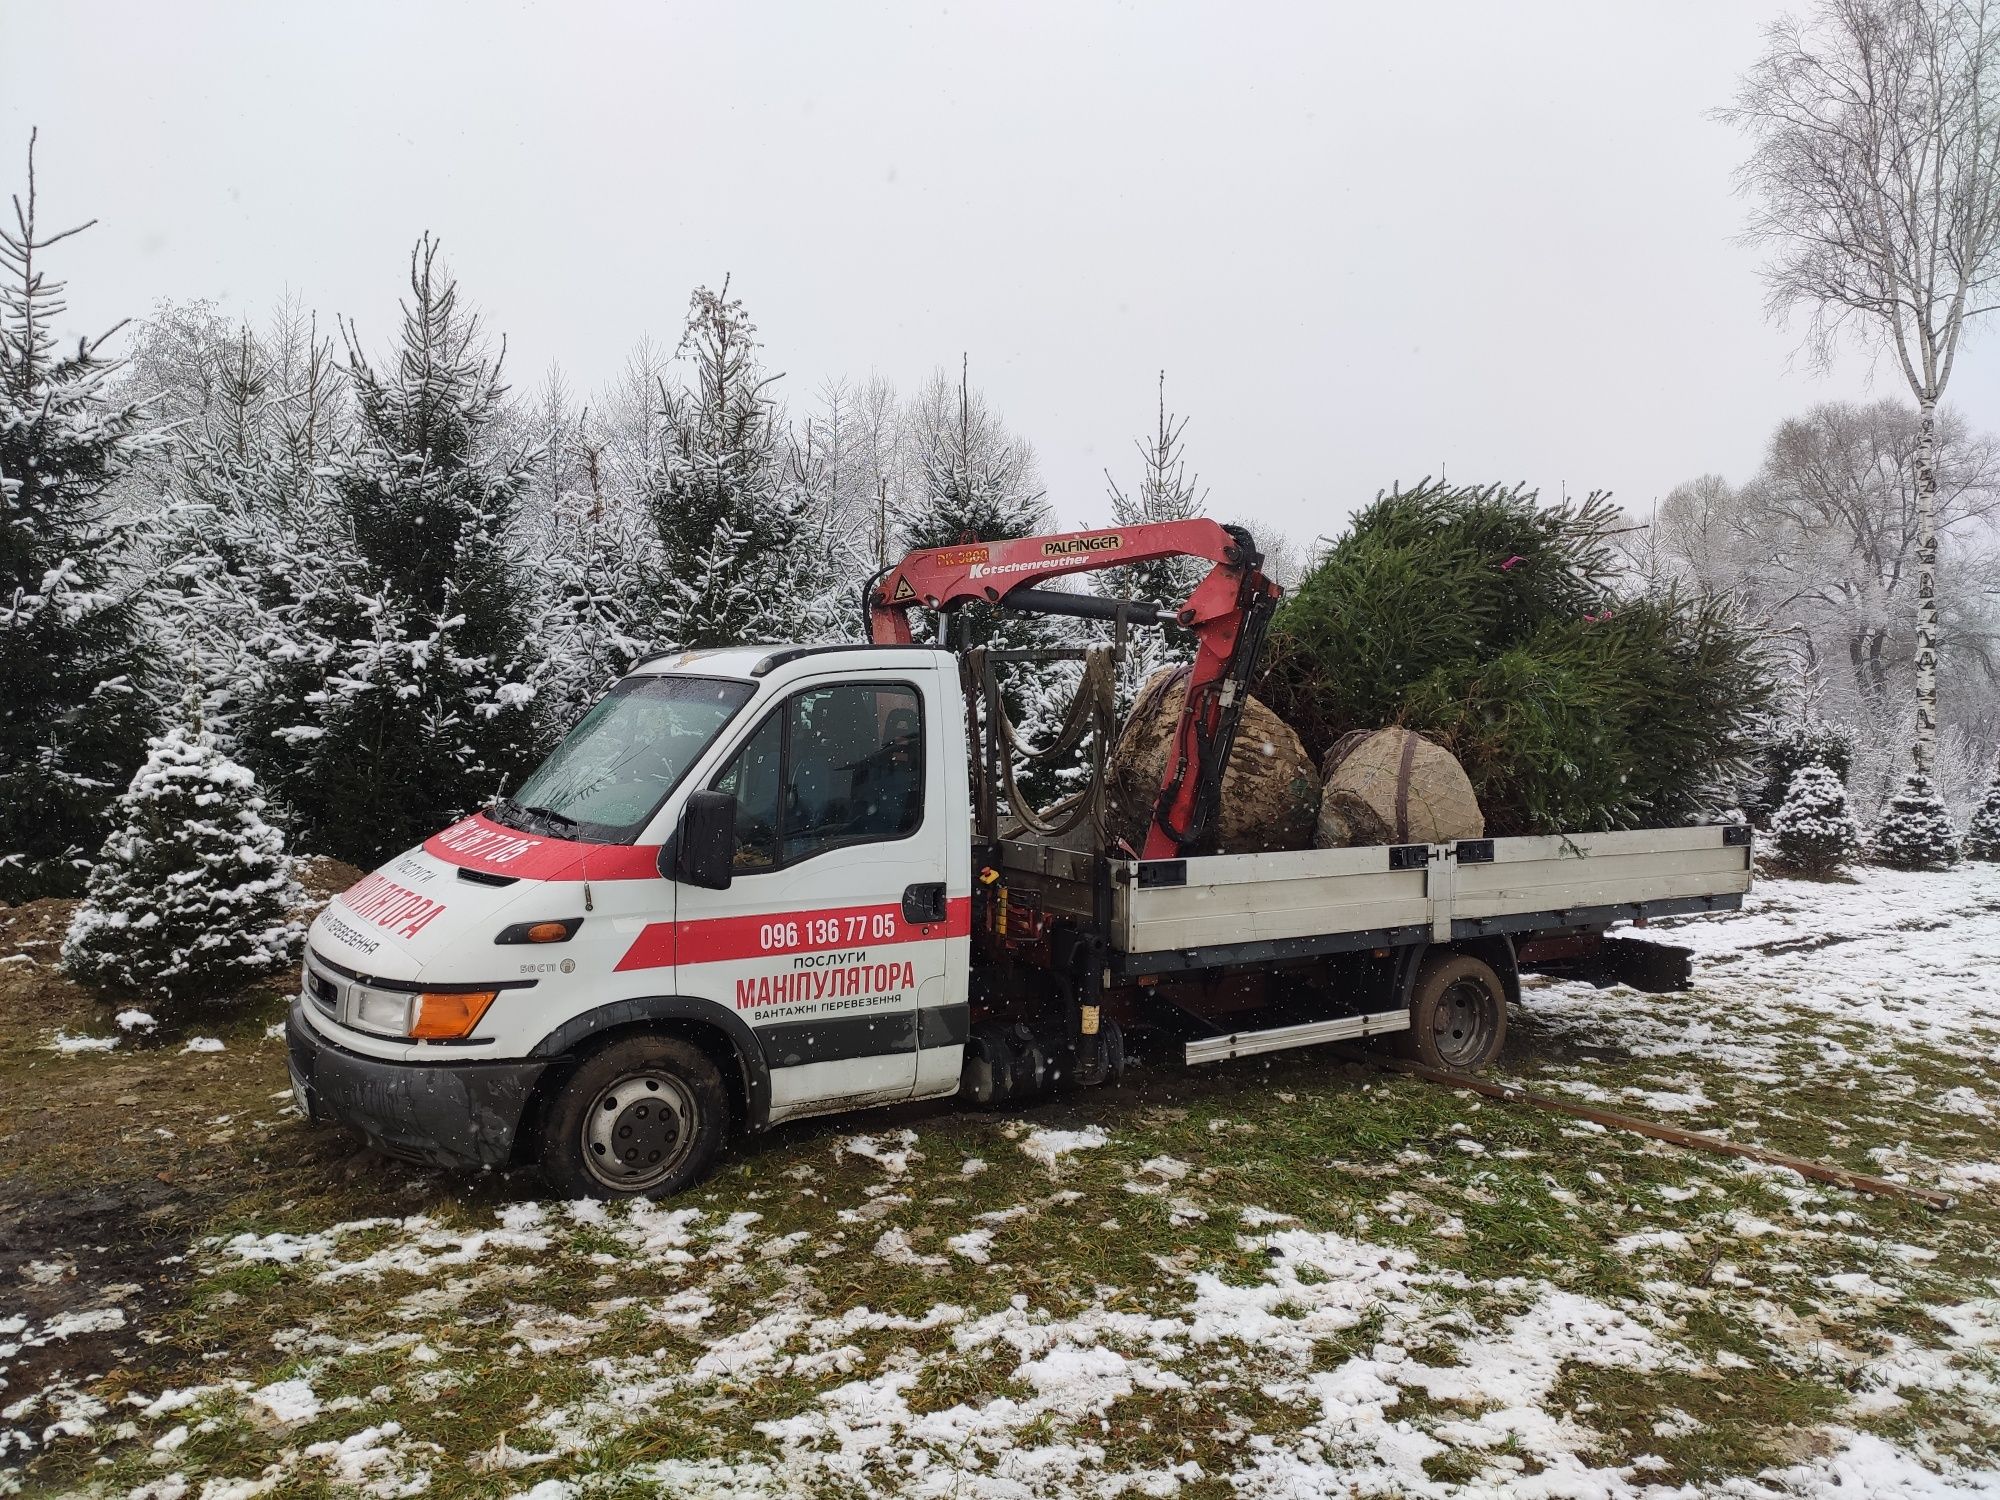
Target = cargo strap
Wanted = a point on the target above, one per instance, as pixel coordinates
(1403, 788)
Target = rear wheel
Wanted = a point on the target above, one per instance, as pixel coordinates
(986, 1077)
(1458, 1014)
(645, 1115)
(1108, 1071)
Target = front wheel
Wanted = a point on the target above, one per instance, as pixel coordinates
(645, 1115)
(1458, 1014)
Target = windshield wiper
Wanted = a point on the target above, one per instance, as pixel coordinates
(506, 811)
(550, 815)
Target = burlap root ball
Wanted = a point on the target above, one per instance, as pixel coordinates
(1392, 786)
(1270, 791)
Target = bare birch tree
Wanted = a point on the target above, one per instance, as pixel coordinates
(1875, 129)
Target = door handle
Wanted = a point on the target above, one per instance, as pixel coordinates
(924, 902)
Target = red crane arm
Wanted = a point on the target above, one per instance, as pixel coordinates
(943, 577)
(1234, 592)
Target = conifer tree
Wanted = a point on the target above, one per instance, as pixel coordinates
(1916, 831)
(1574, 706)
(242, 535)
(427, 706)
(1166, 492)
(595, 609)
(192, 891)
(1805, 743)
(1812, 831)
(732, 568)
(978, 487)
(1982, 835)
(836, 546)
(73, 717)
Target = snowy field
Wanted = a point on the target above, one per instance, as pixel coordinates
(1296, 1280)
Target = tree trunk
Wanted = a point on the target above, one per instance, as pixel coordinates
(1925, 749)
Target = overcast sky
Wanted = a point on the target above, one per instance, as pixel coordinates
(1366, 242)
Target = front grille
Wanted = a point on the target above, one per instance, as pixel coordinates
(323, 992)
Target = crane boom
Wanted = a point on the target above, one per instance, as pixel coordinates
(1226, 613)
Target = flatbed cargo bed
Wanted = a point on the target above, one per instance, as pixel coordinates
(1167, 916)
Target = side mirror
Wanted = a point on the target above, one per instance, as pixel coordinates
(703, 851)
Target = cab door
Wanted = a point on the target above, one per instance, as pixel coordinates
(835, 928)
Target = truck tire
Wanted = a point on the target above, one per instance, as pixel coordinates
(986, 1079)
(643, 1115)
(1110, 1069)
(1458, 1014)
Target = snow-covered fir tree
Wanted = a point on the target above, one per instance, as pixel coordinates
(192, 892)
(829, 592)
(733, 565)
(979, 487)
(1794, 746)
(73, 716)
(1982, 835)
(1166, 492)
(243, 535)
(1915, 831)
(426, 707)
(978, 479)
(595, 568)
(1812, 831)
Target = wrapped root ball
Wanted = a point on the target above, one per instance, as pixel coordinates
(1392, 786)
(1270, 791)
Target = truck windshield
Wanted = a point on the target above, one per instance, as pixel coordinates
(606, 780)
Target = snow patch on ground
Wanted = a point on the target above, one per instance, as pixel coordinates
(1893, 956)
(1049, 1146)
(69, 1045)
(892, 1151)
(286, 1402)
(976, 1245)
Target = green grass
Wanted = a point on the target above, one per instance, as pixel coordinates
(1761, 1355)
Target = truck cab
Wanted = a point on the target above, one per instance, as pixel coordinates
(743, 879)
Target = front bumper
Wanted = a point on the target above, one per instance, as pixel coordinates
(446, 1114)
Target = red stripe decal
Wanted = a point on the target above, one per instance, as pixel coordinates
(780, 934)
(479, 843)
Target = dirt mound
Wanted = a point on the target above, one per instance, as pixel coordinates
(324, 878)
(1270, 791)
(1392, 786)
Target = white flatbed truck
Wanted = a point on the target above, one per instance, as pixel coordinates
(766, 882)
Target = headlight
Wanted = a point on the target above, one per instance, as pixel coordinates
(433, 1016)
(382, 1010)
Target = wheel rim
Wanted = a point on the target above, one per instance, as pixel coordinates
(639, 1131)
(1463, 1023)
